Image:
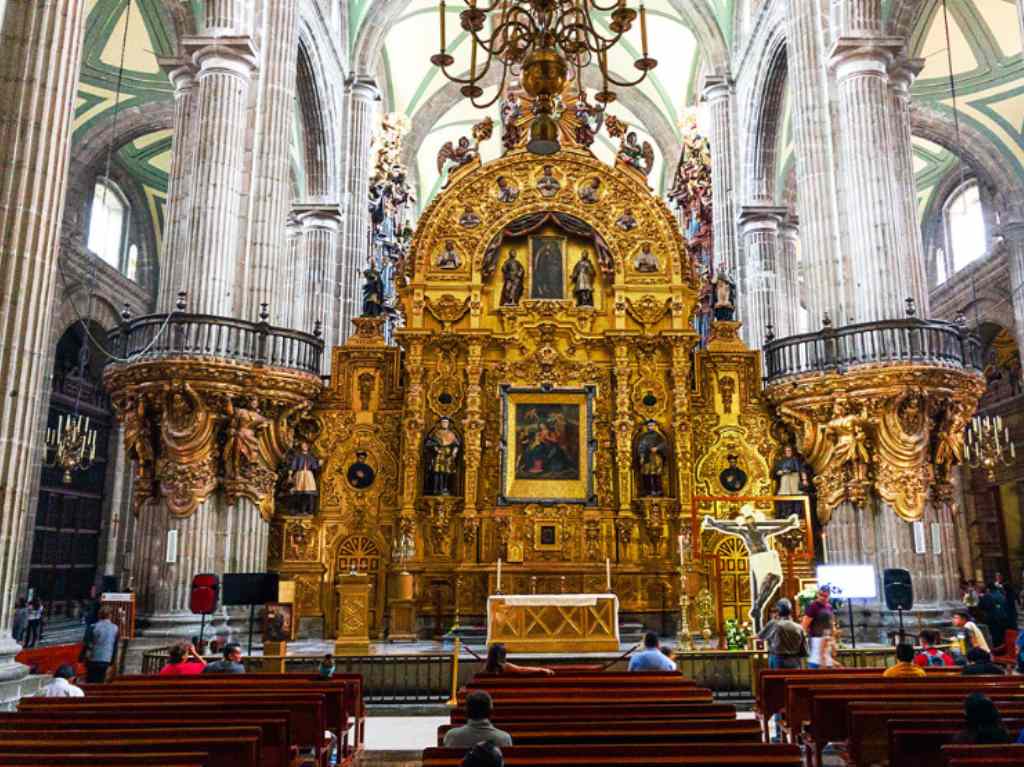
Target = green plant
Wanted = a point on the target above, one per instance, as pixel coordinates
(737, 635)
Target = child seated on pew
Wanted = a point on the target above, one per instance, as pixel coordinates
(984, 724)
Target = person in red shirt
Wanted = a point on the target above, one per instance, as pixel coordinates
(184, 661)
(931, 655)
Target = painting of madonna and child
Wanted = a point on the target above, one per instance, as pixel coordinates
(548, 442)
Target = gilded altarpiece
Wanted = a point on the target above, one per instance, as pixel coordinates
(502, 309)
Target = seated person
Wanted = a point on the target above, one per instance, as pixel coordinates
(231, 663)
(980, 662)
(984, 724)
(497, 663)
(931, 655)
(905, 666)
(651, 658)
(478, 727)
(327, 667)
(184, 661)
(972, 634)
(61, 685)
(484, 755)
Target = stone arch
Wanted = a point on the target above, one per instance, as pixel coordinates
(72, 306)
(320, 117)
(767, 96)
(180, 17)
(905, 14)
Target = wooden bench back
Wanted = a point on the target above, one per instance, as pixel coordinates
(979, 756)
(921, 744)
(81, 757)
(688, 731)
(223, 750)
(599, 712)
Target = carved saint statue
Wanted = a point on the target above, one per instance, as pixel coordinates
(646, 261)
(304, 468)
(791, 477)
(455, 156)
(651, 452)
(513, 274)
(511, 111)
(848, 429)
(627, 221)
(242, 447)
(589, 122)
(637, 155)
(443, 449)
(448, 259)
(506, 192)
(138, 438)
(469, 219)
(582, 278)
(591, 192)
(725, 297)
(733, 478)
(373, 292)
(186, 424)
(547, 184)
(765, 567)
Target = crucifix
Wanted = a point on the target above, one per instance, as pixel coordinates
(756, 532)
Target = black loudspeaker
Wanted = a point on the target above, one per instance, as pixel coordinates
(205, 591)
(249, 588)
(899, 590)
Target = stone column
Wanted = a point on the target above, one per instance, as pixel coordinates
(290, 272)
(179, 194)
(880, 281)
(718, 93)
(225, 69)
(42, 47)
(902, 73)
(1020, 14)
(759, 293)
(787, 317)
(271, 190)
(1013, 234)
(315, 286)
(363, 98)
(817, 204)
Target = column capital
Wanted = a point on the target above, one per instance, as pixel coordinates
(717, 88)
(318, 215)
(902, 73)
(790, 227)
(228, 55)
(765, 218)
(1012, 230)
(857, 54)
(363, 88)
(181, 73)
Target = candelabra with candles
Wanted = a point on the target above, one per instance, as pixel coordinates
(684, 639)
(71, 446)
(987, 445)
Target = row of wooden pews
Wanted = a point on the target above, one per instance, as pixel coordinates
(595, 718)
(899, 722)
(231, 720)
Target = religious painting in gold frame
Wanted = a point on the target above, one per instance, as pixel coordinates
(547, 267)
(547, 446)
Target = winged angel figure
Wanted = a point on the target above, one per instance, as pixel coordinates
(639, 156)
(455, 155)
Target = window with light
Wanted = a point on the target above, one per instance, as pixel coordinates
(965, 226)
(107, 224)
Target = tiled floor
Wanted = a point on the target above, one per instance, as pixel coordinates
(402, 733)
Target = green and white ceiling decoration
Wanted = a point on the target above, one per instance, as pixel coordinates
(410, 82)
(147, 158)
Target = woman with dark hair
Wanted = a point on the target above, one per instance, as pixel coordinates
(497, 663)
(984, 724)
(483, 754)
(183, 660)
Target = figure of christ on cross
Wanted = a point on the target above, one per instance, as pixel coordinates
(756, 532)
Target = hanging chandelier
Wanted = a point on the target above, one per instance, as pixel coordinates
(987, 445)
(545, 43)
(71, 446)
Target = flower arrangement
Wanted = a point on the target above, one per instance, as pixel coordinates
(737, 635)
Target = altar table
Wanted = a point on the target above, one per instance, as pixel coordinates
(554, 622)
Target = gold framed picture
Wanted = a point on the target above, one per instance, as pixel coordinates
(547, 446)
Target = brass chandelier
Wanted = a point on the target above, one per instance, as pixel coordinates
(544, 43)
(987, 445)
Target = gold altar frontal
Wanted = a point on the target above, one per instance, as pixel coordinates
(518, 418)
(552, 623)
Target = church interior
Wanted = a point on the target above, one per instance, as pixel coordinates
(606, 320)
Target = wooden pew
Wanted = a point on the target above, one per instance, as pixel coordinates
(83, 758)
(223, 750)
(275, 744)
(918, 743)
(979, 756)
(505, 713)
(683, 731)
(678, 754)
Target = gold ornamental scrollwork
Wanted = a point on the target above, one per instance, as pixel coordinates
(895, 430)
(648, 311)
(447, 309)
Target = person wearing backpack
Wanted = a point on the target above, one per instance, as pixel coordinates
(931, 655)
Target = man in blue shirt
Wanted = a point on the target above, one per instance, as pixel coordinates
(651, 658)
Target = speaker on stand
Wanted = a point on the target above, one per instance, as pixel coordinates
(203, 599)
(899, 592)
(250, 589)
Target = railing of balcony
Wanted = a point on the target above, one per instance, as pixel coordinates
(201, 335)
(910, 340)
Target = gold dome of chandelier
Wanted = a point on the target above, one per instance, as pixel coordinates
(544, 42)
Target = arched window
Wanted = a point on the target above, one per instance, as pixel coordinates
(965, 226)
(108, 224)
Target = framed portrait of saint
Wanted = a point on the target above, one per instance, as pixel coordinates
(547, 267)
(547, 445)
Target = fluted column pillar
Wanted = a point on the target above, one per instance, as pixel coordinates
(271, 192)
(363, 100)
(179, 193)
(225, 68)
(1013, 234)
(759, 294)
(787, 317)
(291, 271)
(880, 281)
(817, 204)
(718, 93)
(902, 74)
(42, 47)
(315, 285)
(229, 17)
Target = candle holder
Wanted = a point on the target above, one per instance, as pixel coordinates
(684, 639)
(73, 446)
(987, 445)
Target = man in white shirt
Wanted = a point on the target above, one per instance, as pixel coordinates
(60, 686)
(651, 658)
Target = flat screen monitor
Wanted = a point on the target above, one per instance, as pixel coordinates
(849, 581)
